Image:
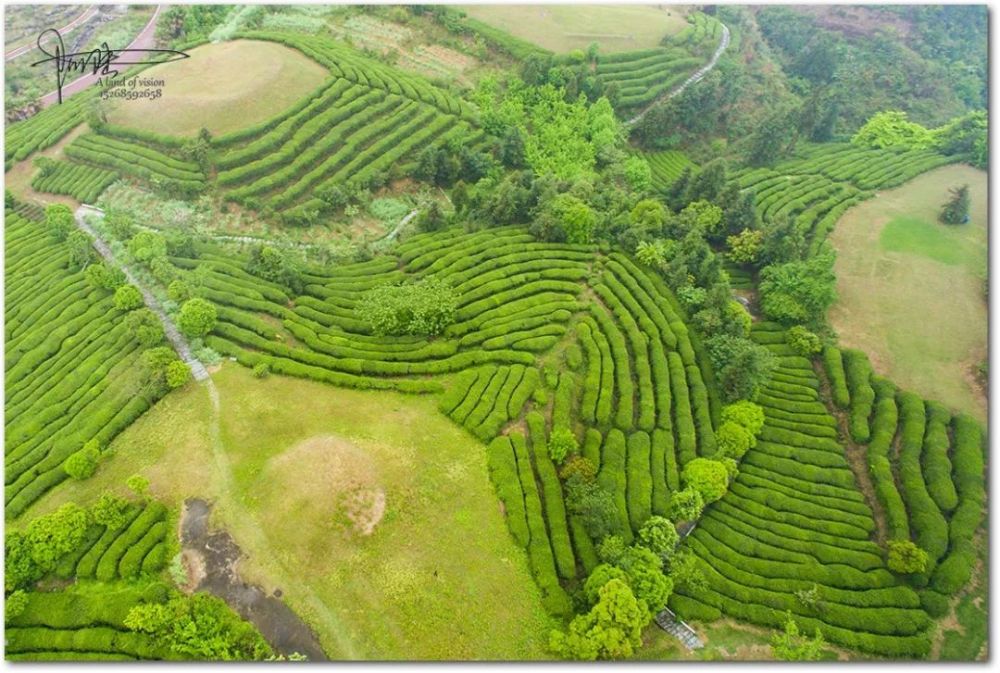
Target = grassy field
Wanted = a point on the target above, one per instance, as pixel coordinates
(911, 289)
(223, 87)
(301, 471)
(562, 28)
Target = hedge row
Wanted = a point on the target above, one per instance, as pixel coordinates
(83, 183)
(639, 479)
(612, 477)
(554, 598)
(859, 374)
(504, 474)
(929, 527)
(834, 365)
(882, 434)
(936, 462)
(555, 507)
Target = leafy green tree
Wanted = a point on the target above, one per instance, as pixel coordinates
(103, 276)
(708, 477)
(565, 218)
(906, 558)
(892, 129)
(612, 549)
(644, 570)
(199, 627)
(611, 630)
(733, 439)
(799, 292)
(83, 463)
(709, 183)
(650, 215)
(562, 443)
(425, 307)
(601, 575)
(676, 195)
(145, 326)
(156, 361)
(179, 291)
(686, 504)
(956, 211)
(47, 539)
(127, 298)
(698, 216)
(802, 341)
(745, 247)
(110, 511)
(651, 253)
(659, 535)
(638, 175)
(272, 264)
(59, 221)
(747, 415)
(80, 250)
(742, 366)
(119, 224)
(790, 645)
(146, 246)
(783, 242)
(774, 137)
(594, 504)
(177, 374)
(685, 572)
(15, 604)
(197, 317)
(138, 484)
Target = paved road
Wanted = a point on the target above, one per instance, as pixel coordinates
(78, 21)
(697, 76)
(668, 621)
(174, 336)
(144, 40)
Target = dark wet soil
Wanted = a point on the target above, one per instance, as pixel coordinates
(280, 626)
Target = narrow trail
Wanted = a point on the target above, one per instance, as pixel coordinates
(280, 625)
(697, 76)
(174, 336)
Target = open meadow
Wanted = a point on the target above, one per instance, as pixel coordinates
(911, 289)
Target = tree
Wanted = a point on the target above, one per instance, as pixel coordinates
(799, 292)
(52, 536)
(739, 210)
(782, 242)
(138, 484)
(127, 298)
(709, 183)
(425, 307)
(565, 218)
(611, 630)
(103, 276)
(686, 505)
(83, 463)
(906, 558)
(156, 362)
(80, 252)
(698, 216)
(745, 247)
(659, 535)
(802, 341)
(651, 253)
(59, 221)
(774, 137)
(119, 224)
(146, 246)
(197, 317)
(110, 511)
(708, 477)
(177, 374)
(747, 415)
(594, 504)
(676, 195)
(956, 211)
(601, 575)
(892, 129)
(562, 442)
(650, 216)
(15, 604)
(742, 366)
(644, 570)
(272, 264)
(791, 646)
(145, 326)
(638, 175)
(179, 291)
(733, 439)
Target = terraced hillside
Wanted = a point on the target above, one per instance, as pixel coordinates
(80, 382)
(817, 188)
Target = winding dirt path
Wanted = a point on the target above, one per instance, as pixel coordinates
(697, 76)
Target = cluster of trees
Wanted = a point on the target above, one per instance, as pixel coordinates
(966, 136)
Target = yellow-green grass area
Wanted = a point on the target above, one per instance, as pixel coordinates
(723, 639)
(297, 473)
(911, 290)
(562, 28)
(222, 87)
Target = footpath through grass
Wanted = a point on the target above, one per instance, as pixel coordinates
(911, 289)
(313, 467)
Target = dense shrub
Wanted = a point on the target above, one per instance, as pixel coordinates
(425, 307)
(859, 373)
(639, 483)
(834, 364)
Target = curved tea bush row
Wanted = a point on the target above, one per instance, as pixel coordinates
(937, 465)
(70, 365)
(343, 61)
(793, 520)
(883, 429)
(555, 507)
(43, 129)
(859, 373)
(137, 161)
(667, 166)
(929, 527)
(833, 362)
(612, 476)
(502, 462)
(83, 183)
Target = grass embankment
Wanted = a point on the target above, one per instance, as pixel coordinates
(303, 469)
(911, 289)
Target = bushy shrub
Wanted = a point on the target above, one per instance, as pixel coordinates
(686, 505)
(83, 463)
(639, 483)
(177, 374)
(906, 558)
(127, 298)
(425, 307)
(197, 317)
(562, 443)
(733, 439)
(859, 374)
(802, 341)
(708, 477)
(659, 535)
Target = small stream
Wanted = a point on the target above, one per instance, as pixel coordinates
(218, 554)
